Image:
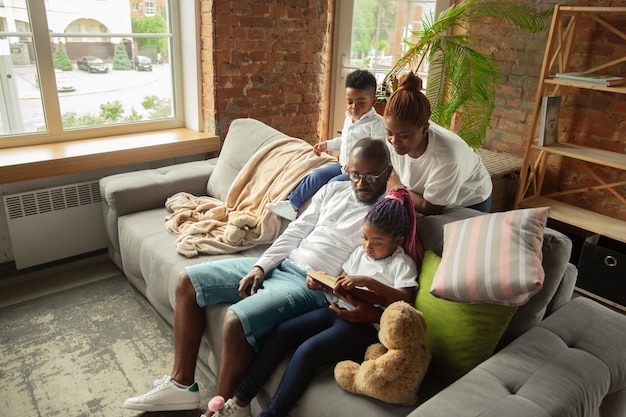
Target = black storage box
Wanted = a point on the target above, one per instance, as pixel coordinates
(602, 268)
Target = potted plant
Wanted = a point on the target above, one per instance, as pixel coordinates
(461, 79)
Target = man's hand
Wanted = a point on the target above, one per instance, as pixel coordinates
(363, 312)
(319, 147)
(253, 279)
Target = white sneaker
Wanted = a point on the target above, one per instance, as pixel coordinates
(231, 409)
(166, 396)
(284, 209)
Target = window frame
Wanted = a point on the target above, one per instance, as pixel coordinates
(341, 54)
(185, 29)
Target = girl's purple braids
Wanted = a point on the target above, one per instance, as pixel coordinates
(395, 215)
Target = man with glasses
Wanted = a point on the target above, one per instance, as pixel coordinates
(273, 287)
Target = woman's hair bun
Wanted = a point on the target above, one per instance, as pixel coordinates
(410, 82)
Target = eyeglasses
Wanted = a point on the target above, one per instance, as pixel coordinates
(368, 178)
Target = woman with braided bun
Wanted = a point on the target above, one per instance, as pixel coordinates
(386, 263)
(437, 166)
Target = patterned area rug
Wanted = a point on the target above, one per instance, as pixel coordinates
(83, 351)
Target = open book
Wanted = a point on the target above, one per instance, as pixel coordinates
(328, 281)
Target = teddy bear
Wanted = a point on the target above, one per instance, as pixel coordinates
(394, 368)
(238, 223)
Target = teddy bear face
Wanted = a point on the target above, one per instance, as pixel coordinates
(401, 326)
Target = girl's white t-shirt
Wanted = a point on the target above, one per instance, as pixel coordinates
(398, 270)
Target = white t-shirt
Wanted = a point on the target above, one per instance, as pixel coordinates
(370, 125)
(398, 270)
(324, 235)
(449, 173)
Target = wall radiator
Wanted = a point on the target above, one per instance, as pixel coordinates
(55, 223)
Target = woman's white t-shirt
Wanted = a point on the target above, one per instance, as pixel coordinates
(449, 173)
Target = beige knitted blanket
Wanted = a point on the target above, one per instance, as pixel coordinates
(202, 223)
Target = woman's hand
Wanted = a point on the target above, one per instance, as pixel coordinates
(394, 181)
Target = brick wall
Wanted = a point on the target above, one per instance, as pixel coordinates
(271, 60)
(266, 60)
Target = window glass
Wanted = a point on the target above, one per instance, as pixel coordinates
(21, 102)
(379, 28)
(109, 64)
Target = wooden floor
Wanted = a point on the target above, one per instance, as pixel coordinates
(18, 286)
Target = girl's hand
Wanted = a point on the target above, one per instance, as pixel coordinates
(348, 282)
(319, 147)
(313, 285)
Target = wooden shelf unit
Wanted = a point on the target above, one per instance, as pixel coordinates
(561, 38)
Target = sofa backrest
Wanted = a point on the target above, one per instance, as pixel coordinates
(244, 138)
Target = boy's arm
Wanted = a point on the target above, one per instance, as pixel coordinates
(333, 144)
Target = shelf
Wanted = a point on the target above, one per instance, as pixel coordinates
(620, 89)
(585, 153)
(580, 217)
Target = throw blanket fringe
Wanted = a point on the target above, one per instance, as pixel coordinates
(270, 174)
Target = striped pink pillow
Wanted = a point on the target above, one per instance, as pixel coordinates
(495, 258)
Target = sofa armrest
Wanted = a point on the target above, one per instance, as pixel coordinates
(131, 192)
(572, 363)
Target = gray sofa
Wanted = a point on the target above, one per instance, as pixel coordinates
(558, 357)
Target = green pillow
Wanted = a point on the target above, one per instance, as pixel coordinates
(459, 335)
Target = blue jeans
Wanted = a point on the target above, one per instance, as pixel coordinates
(485, 206)
(321, 338)
(284, 294)
(313, 182)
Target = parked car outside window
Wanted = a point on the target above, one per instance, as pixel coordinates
(65, 82)
(142, 63)
(91, 64)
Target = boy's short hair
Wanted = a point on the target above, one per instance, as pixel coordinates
(362, 80)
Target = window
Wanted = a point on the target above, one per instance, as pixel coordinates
(149, 6)
(370, 35)
(67, 70)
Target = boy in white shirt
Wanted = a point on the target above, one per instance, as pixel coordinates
(361, 122)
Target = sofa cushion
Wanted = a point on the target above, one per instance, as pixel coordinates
(459, 335)
(569, 365)
(244, 138)
(505, 268)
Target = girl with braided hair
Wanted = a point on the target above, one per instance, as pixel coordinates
(437, 166)
(386, 263)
